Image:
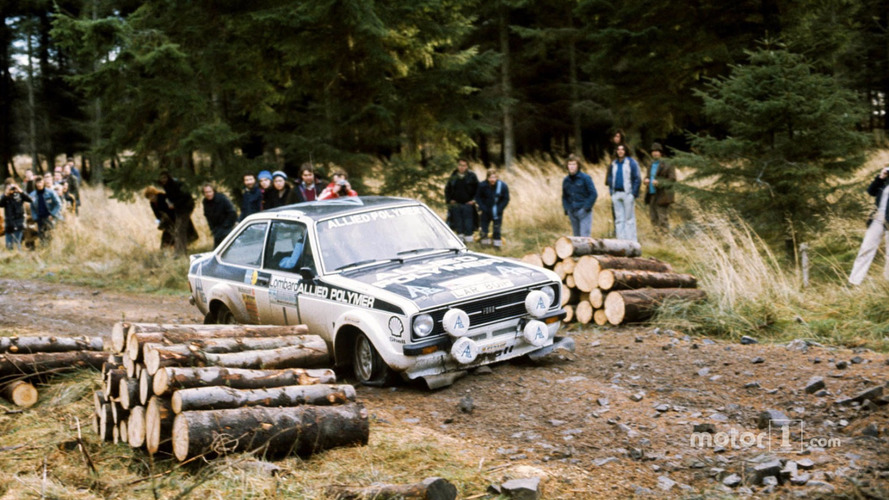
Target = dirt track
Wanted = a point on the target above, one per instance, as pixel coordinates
(575, 418)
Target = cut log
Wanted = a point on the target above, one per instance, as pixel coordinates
(158, 424)
(597, 298)
(312, 353)
(570, 295)
(128, 393)
(141, 333)
(136, 427)
(106, 423)
(569, 281)
(637, 263)
(14, 365)
(624, 279)
(99, 399)
(119, 336)
(533, 259)
(549, 257)
(569, 264)
(559, 269)
(576, 246)
(586, 274)
(599, 317)
(624, 306)
(569, 314)
(120, 431)
(224, 345)
(95, 420)
(114, 362)
(583, 313)
(274, 431)
(433, 488)
(221, 398)
(129, 366)
(169, 379)
(31, 345)
(117, 412)
(145, 387)
(112, 382)
(20, 393)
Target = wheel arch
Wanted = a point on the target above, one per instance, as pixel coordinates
(345, 341)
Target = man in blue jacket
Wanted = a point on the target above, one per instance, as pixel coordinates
(45, 208)
(252, 200)
(578, 197)
(623, 180)
(492, 198)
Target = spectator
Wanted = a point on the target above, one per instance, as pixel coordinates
(163, 214)
(624, 180)
(265, 182)
(73, 184)
(339, 187)
(578, 197)
(280, 194)
(182, 204)
(13, 202)
(492, 198)
(618, 139)
(460, 196)
(57, 177)
(220, 213)
(659, 189)
(72, 169)
(252, 200)
(46, 207)
(48, 179)
(309, 188)
(66, 199)
(29, 181)
(876, 228)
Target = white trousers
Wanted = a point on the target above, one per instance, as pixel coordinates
(624, 205)
(868, 251)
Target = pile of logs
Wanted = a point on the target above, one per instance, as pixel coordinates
(24, 360)
(606, 281)
(194, 390)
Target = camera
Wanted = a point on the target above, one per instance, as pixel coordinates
(341, 182)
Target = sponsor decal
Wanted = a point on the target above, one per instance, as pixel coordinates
(284, 290)
(392, 213)
(408, 274)
(250, 305)
(396, 326)
(514, 271)
(491, 286)
(199, 290)
(421, 291)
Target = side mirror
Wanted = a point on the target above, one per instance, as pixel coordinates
(307, 274)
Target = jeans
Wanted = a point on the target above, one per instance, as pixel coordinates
(14, 239)
(581, 222)
(461, 218)
(624, 205)
(486, 220)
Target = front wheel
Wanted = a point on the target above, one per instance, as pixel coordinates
(370, 369)
(225, 317)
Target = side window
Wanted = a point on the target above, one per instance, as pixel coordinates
(288, 248)
(246, 249)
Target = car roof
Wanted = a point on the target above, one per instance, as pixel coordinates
(318, 210)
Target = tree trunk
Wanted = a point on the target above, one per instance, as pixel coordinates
(433, 488)
(30, 345)
(32, 105)
(275, 431)
(225, 345)
(158, 424)
(625, 279)
(626, 306)
(600, 262)
(549, 257)
(577, 246)
(14, 365)
(177, 334)
(136, 427)
(20, 393)
(533, 259)
(599, 317)
(311, 354)
(506, 88)
(168, 379)
(222, 398)
(597, 298)
(583, 313)
(128, 394)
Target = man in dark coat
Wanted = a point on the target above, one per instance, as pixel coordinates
(13, 202)
(252, 200)
(182, 204)
(220, 213)
(310, 186)
(659, 193)
(578, 197)
(492, 198)
(460, 196)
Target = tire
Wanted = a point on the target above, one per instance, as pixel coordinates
(369, 367)
(224, 316)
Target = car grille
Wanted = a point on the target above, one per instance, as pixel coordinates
(486, 311)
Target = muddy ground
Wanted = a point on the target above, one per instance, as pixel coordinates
(614, 419)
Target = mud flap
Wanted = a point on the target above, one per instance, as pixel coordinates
(559, 343)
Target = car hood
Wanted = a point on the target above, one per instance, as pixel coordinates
(442, 279)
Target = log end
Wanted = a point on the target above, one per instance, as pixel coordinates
(180, 437)
(22, 394)
(615, 308)
(564, 247)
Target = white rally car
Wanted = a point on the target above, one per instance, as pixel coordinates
(387, 285)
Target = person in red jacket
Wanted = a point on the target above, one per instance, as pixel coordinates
(338, 188)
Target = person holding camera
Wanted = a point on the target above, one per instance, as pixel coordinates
(13, 202)
(876, 229)
(46, 207)
(338, 188)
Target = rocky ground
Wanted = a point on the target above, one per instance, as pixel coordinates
(640, 410)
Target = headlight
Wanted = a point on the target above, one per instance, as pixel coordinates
(536, 303)
(550, 293)
(423, 325)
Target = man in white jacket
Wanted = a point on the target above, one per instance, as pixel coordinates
(623, 181)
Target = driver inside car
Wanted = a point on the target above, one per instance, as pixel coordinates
(291, 261)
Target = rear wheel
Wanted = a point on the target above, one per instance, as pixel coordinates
(224, 316)
(370, 369)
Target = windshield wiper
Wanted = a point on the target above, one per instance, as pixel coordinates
(368, 261)
(418, 250)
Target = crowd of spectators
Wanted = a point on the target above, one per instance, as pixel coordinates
(50, 199)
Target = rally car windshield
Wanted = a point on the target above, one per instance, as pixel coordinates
(386, 235)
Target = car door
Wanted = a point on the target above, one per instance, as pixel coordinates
(241, 259)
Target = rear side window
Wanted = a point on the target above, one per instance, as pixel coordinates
(246, 249)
